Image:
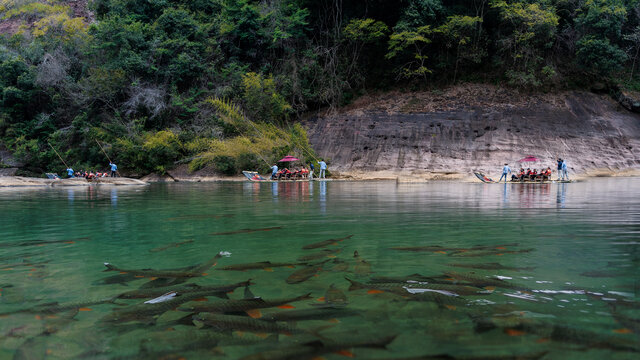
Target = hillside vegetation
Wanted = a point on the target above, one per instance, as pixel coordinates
(222, 82)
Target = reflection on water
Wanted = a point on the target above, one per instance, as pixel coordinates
(461, 270)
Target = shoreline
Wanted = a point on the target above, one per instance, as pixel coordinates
(357, 176)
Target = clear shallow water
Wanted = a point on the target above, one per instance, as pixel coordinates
(577, 296)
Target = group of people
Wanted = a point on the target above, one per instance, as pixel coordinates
(533, 174)
(300, 173)
(90, 174)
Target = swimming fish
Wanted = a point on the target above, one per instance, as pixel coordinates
(496, 252)
(305, 273)
(147, 313)
(319, 255)
(326, 243)
(181, 289)
(242, 323)
(492, 266)
(244, 231)
(426, 248)
(480, 281)
(402, 279)
(43, 242)
(55, 307)
(238, 305)
(406, 289)
(335, 296)
(151, 273)
(313, 349)
(176, 244)
(258, 265)
(318, 313)
(339, 265)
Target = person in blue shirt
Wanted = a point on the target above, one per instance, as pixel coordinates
(559, 168)
(323, 168)
(506, 169)
(274, 171)
(565, 171)
(114, 169)
(70, 173)
(311, 168)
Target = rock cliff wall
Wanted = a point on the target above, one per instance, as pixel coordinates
(447, 134)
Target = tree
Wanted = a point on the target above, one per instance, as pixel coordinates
(459, 33)
(410, 47)
(598, 56)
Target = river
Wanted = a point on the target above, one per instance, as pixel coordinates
(535, 270)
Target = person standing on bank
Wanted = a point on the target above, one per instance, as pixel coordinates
(323, 168)
(311, 168)
(114, 169)
(506, 169)
(559, 168)
(565, 171)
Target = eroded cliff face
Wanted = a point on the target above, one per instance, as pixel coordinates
(476, 127)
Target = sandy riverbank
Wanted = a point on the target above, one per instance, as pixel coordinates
(19, 181)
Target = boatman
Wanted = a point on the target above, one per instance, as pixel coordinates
(274, 171)
(323, 168)
(559, 168)
(114, 169)
(506, 169)
(565, 172)
(70, 173)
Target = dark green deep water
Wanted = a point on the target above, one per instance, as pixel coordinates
(578, 297)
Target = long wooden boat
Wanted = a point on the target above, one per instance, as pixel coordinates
(256, 177)
(485, 179)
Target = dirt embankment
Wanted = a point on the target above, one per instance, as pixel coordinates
(446, 134)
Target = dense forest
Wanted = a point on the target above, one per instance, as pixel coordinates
(221, 83)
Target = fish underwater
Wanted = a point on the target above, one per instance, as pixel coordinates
(245, 231)
(55, 307)
(148, 312)
(326, 253)
(318, 313)
(238, 305)
(146, 293)
(151, 273)
(305, 273)
(264, 265)
(326, 243)
(492, 266)
(172, 245)
(243, 323)
(313, 349)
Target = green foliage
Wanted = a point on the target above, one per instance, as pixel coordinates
(599, 56)
(162, 149)
(365, 30)
(411, 47)
(263, 103)
(225, 164)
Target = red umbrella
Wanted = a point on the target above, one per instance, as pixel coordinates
(288, 158)
(529, 158)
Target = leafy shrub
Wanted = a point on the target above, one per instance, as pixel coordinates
(163, 148)
(248, 161)
(225, 164)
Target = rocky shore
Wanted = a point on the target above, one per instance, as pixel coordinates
(445, 135)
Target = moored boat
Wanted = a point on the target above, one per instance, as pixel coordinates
(485, 179)
(256, 177)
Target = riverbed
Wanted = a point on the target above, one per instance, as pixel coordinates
(465, 270)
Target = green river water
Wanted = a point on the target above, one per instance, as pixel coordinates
(568, 255)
